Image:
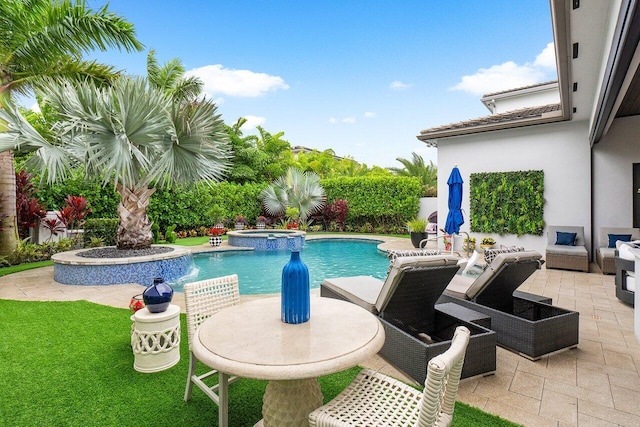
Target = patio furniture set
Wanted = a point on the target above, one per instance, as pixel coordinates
(566, 249)
(423, 318)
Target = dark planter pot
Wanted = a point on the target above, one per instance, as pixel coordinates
(416, 238)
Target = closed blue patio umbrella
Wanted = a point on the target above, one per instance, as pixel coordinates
(454, 217)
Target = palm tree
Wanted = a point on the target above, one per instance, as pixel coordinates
(40, 38)
(295, 189)
(170, 79)
(130, 133)
(416, 167)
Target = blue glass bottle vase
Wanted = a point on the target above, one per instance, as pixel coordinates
(295, 291)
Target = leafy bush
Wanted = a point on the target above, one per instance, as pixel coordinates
(170, 235)
(385, 201)
(31, 252)
(101, 228)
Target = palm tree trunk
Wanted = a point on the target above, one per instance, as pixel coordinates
(8, 214)
(134, 230)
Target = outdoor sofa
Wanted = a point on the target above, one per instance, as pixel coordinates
(416, 329)
(566, 248)
(606, 250)
(525, 323)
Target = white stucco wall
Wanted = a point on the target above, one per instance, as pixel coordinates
(560, 149)
(532, 99)
(613, 159)
(427, 206)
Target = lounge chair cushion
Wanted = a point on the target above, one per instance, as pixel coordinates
(393, 254)
(490, 254)
(360, 290)
(463, 287)
(567, 250)
(372, 294)
(607, 252)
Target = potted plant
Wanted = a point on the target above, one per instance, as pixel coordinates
(215, 236)
(487, 243)
(216, 213)
(446, 239)
(261, 222)
(469, 244)
(293, 217)
(241, 222)
(417, 229)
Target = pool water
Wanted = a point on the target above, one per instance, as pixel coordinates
(260, 272)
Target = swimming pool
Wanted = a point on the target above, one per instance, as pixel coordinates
(260, 272)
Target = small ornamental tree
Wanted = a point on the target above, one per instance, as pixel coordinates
(74, 213)
(28, 208)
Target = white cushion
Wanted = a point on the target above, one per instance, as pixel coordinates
(624, 249)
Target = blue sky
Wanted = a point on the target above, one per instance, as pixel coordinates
(361, 77)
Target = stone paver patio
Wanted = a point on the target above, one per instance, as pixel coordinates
(597, 384)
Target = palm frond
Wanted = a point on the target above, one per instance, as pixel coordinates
(21, 136)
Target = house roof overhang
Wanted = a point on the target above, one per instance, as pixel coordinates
(619, 94)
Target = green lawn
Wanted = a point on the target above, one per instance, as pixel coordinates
(71, 364)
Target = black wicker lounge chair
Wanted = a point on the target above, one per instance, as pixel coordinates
(525, 323)
(416, 330)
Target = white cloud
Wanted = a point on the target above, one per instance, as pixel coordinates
(227, 81)
(510, 75)
(253, 122)
(369, 115)
(332, 120)
(398, 85)
(36, 108)
(349, 120)
(547, 58)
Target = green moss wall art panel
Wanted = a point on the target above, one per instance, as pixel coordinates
(507, 202)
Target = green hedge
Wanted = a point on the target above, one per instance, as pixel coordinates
(102, 228)
(188, 207)
(507, 202)
(386, 202)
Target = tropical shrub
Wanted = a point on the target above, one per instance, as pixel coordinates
(101, 228)
(384, 201)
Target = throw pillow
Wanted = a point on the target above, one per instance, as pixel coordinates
(613, 238)
(566, 239)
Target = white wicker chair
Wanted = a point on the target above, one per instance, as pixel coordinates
(203, 299)
(374, 399)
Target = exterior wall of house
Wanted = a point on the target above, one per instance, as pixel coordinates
(613, 159)
(543, 96)
(560, 149)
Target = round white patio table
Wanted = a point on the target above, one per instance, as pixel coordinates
(250, 340)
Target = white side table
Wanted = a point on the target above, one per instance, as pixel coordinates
(155, 339)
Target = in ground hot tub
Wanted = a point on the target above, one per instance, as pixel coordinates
(267, 240)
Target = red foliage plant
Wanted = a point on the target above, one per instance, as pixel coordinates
(216, 231)
(28, 208)
(54, 225)
(337, 211)
(73, 214)
(29, 211)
